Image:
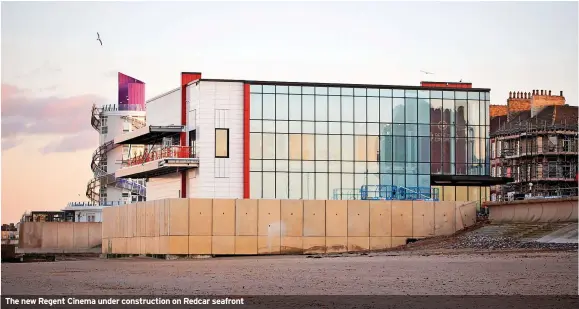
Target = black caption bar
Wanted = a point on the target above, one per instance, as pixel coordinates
(290, 301)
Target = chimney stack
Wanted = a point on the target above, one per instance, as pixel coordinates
(549, 92)
(561, 93)
(533, 92)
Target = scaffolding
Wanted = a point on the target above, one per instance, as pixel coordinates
(541, 157)
(102, 179)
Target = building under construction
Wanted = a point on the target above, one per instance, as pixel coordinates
(534, 141)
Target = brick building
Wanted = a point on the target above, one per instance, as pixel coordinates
(534, 141)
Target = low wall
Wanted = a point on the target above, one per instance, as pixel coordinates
(249, 227)
(539, 210)
(59, 237)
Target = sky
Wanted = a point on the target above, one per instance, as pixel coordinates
(53, 69)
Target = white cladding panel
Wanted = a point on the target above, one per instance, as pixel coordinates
(165, 110)
(217, 105)
(167, 186)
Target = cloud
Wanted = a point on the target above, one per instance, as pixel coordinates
(71, 143)
(24, 115)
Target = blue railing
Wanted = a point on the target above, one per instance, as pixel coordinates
(388, 192)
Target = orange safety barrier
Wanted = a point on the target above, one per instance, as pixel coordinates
(167, 152)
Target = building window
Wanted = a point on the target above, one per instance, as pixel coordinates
(125, 194)
(222, 143)
(90, 218)
(104, 121)
(104, 130)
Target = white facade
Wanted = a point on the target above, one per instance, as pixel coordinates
(86, 213)
(115, 123)
(210, 105)
(214, 105)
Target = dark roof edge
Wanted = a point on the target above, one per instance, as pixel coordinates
(320, 84)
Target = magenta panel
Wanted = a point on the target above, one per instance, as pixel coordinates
(131, 93)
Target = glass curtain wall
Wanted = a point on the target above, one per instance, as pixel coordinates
(306, 141)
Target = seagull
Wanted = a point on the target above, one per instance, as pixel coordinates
(426, 72)
(99, 38)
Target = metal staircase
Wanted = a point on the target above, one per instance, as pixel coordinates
(99, 156)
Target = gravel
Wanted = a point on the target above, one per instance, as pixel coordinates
(475, 241)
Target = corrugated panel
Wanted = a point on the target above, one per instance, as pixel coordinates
(131, 90)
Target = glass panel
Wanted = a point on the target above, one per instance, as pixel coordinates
(295, 166)
(281, 185)
(398, 110)
(359, 167)
(309, 186)
(255, 126)
(399, 129)
(386, 92)
(424, 180)
(411, 149)
(308, 142)
(255, 145)
(321, 186)
(373, 110)
(473, 95)
(347, 109)
(435, 94)
(360, 109)
(269, 106)
(424, 168)
(474, 113)
(334, 166)
(487, 113)
(334, 107)
(308, 90)
(448, 94)
(348, 91)
(268, 185)
(423, 94)
(359, 181)
(399, 148)
(255, 88)
(373, 167)
(386, 143)
(460, 108)
(449, 193)
(281, 165)
(461, 156)
(295, 89)
(385, 110)
(398, 93)
(411, 110)
(386, 179)
(281, 151)
(334, 184)
(255, 185)
(334, 144)
(347, 147)
(334, 128)
(308, 127)
(360, 92)
(474, 193)
(448, 112)
(347, 167)
(268, 89)
(460, 95)
(322, 90)
(461, 194)
(308, 107)
(347, 181)
(411, 93)
(295, 127)
(295, 107)
(334, 91)
(321, 127)
(269, 126)
(435, 111)
(281, 89)
(360, 148)
(423, 130)
(347, 128)
(321, 166)
(423, 111)
(411, 181)
(321, 108)
(281, 108)
(255, 105)
(399, 180)
(281, 126)
(321, 147)
(268, 165)
(295, 186)
(423, 149)
(360, 128)
(295, 146)
(255, 165)
(373, 129)
(372, 148)
(308, 166)
(373, 92)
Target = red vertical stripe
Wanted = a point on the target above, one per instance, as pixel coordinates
(246, 141)
(185, 79)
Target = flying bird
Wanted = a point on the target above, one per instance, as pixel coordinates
(426, 72)
(99, 38)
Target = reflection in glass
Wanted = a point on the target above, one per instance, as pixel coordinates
(398, 110)
(281, 108)
(386, 110)
(255, 185)
(321, 108)
(411, 110)
(295, 107)
(295, 186)
(255, 146)
(268, 145)
(334, 107)
(322, 186)
(255, 106)
(281, 142)
(268, 185)
(269, 106)
(281, 185)
(360, 109)
(308, 107)
(347, 109)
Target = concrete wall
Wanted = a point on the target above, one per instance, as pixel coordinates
(249, 227)
(540, 210)
(63, 237)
